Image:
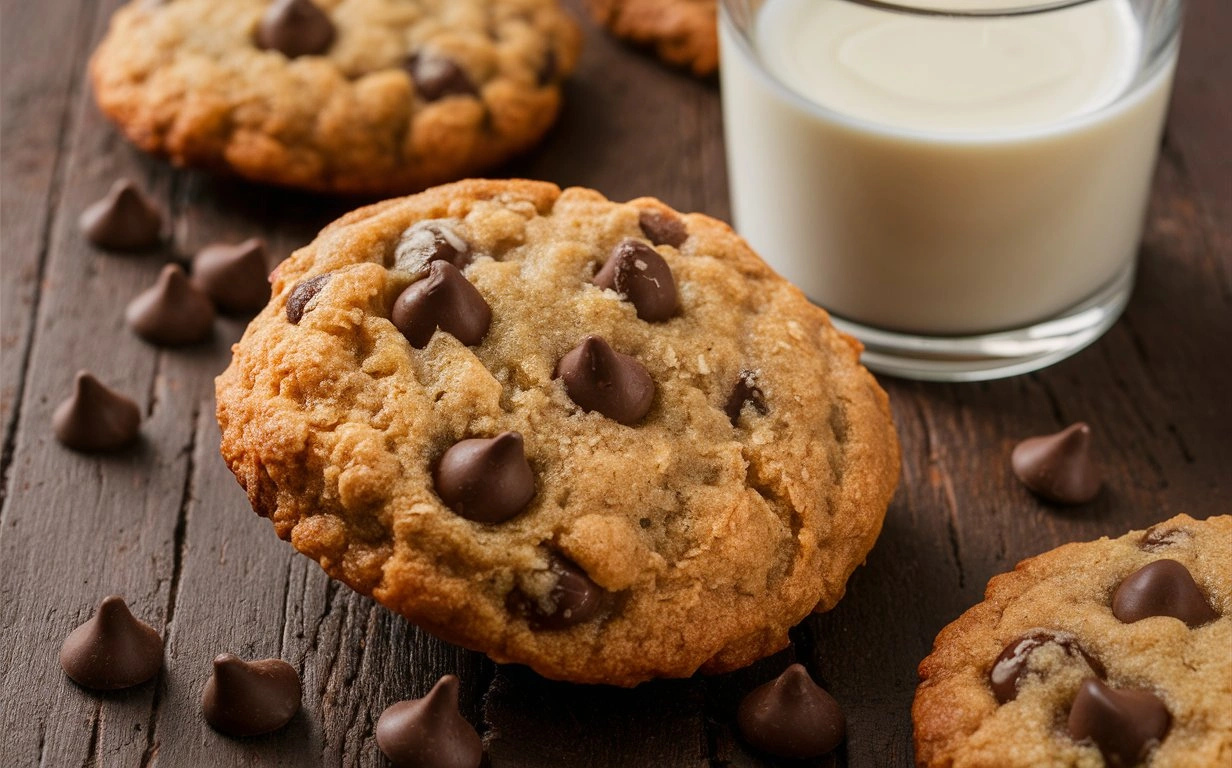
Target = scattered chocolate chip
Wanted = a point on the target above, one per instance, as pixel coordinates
(574, 598)
(113, 650)
(487, 480)
(249, 698)
(1157, 538)
(598, 378)
(429, 732)
(662, 227)
(637, 272)
(295, 28)
(172, 312)
(1161, 588)
(96, 417)
(444, 299)
(1059, 467)
(1125, 724)
(301, 295)
(746, 392)
(234, 276)
(438, 76)
(792, 717)
(1011, 665)
(427, 241)
(124, 220)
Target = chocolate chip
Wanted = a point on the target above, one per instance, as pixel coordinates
(124, 220)
(437, 76)
(1162, 588)
(487, 480)
(1012, 665)
(573, 599)
(429, 732)
(746, 392)
(96, 417)
(662, 227)
(637, 272)
(1125, 724)
(248, 698)
(792, 717)
(1157, 538)
(112, 650)
(598, 378)
(301, 295)
(549, 68)
(446, 300)
(295, 28)
(234, 276)
(172, 312)
(1058, 467)
(427, 241)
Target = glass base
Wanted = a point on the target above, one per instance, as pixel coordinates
(993, 355)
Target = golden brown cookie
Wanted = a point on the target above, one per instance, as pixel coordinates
(442, 406)
(1114, 652)
(682, 32)
(354, 96)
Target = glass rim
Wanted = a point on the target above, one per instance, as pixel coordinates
(922, 9)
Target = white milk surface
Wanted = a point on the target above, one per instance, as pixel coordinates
(942, 176)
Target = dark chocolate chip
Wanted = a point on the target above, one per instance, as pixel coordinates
(444, 299)
(549, 68)
(1162, 588)
(573, 599)
(124, 220)
(429, 732)
(96, 417)
(437, 76)
(172, 312)
(1058, 467)
(249, 698)
(792, 717)
(295, 28)
(112, 650)
(637, 272)
(598, 378)
(663, 227)
(487, 480)
(1125, 724)
(1157, 538)
(302, 295)
(1011, 666)
(746, 392)
(427, 241)
(234, 276)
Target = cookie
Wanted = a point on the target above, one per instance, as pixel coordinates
(348, 96)
(1114, 652)
(682, 32)
(442, 407)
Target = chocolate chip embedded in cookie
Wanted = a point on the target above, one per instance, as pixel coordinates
(682, 32)
(441, 407)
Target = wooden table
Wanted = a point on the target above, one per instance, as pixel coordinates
(166, 526)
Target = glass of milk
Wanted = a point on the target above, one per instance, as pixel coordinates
(962, 183)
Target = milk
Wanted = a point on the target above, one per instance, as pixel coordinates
(939, 176)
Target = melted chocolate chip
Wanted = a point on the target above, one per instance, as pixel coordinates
(792, 717)
(574, 598)
(112, 650)
(598, 378)
(746, 392)
(172, 312)
(487, 480)
(444, 299)
(637, 272)
(431, 240)
(1158, 538)
(124, 220)
(249, 698)
(429, 732)
(1125, 724)
(234, 276)
(1058, 467)
(662, 227)
(437, 77)
(1012, 664)
(295, 28)
(95, 417)
(1162, 588)
(548, 69)
(302, 295)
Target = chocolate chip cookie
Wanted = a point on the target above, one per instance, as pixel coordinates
(354, 96)
(601, 439)
(1114, 652)
(682, 32)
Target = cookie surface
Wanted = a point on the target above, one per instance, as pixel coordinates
(682, 32)
(1011, 680)
(687, 530)
(402, 94)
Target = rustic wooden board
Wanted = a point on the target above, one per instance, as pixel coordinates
(166, 526)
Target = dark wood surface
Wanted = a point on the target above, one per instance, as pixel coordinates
(166, 526)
